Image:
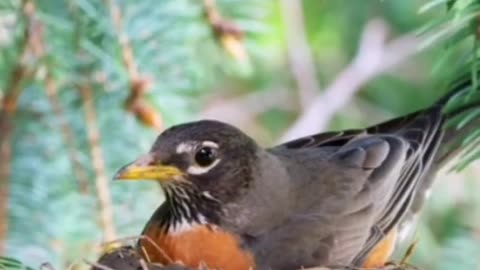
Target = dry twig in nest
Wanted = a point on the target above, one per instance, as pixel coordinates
(128, 258)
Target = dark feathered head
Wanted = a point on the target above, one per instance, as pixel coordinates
(204, 157)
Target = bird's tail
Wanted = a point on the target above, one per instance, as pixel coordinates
(436, 134)
(458, 115)
(454, 125)
(461, 114)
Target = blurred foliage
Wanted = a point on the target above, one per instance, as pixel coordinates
(178, 55)
(12, 264)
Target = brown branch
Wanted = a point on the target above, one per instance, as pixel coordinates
(21, 73)
(139, 84)
(374, 56)
(299, 53)
(101, 181)
(229, 35)
(127, 51)
(5, 155)
(79, 172)
(51, 90)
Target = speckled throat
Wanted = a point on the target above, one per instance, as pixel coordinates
(187, 205)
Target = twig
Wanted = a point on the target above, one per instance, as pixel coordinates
(65, 129)
(101, 182)
(121, 241)
(68, 135)
(127, 52)
(409, 253)
(97, 265)
(143, 264)
(139, 84)
(157, 247)
(228, 35)
(375, 55)
(21, 72)
(299, 53)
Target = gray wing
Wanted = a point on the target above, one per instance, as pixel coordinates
(351, 188)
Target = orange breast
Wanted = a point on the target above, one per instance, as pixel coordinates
(199, 245)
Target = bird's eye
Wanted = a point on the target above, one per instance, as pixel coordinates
(205, 156)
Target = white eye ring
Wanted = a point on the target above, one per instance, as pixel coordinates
(190, 147)
(197, 169)
(210, 144)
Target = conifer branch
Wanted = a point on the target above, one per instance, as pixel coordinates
(67, 133)
(21, 73)
(139, 84)
(228, 35)
(101, 180)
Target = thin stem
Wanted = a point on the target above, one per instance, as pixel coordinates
(68, 135)
(101, 182)
(139, 84)
(19, 75)
(375, 55)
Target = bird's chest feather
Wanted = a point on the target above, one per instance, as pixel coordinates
(195, 245)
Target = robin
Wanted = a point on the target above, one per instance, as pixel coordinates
(335, 198)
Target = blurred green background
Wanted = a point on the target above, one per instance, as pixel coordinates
(95, 81)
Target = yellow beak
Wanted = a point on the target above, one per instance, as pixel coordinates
(140, 169)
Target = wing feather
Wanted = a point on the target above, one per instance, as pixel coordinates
(390, 160)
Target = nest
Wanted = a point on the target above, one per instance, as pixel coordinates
(127, 258)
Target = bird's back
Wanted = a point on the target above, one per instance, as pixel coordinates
(352, 187)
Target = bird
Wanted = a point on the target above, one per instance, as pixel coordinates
(333, 198)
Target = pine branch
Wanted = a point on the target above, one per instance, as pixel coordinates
(101, 181)
(228, 35)
(375, 55)
(139, 84)
(67, 133)
(21, 73)
(459, 27)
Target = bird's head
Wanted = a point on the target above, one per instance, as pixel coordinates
(204, 158)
